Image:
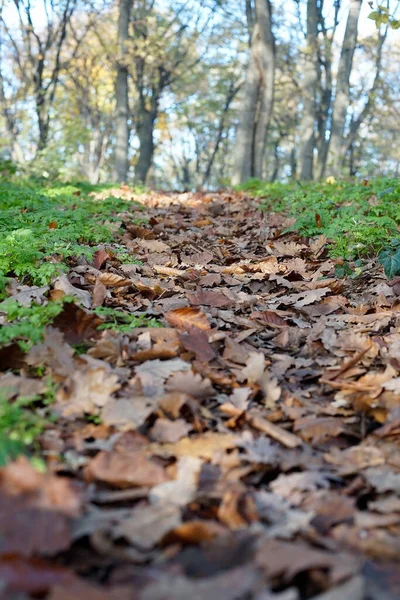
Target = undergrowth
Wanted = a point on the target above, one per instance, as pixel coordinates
(42, 227)
(359, 218)
(43, 231)
(22, 420)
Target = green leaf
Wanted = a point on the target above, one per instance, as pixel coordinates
(391, 263)
(375, 16)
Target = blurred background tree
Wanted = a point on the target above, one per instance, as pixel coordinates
(199, 93)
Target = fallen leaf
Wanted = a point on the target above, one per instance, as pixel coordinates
(83, 297)
(168, 431)
(196, 340)
(203, 446)
(209, 298)
(181, 490)
(99, 258)
(125, 469)
(186, 318)
(86, 391)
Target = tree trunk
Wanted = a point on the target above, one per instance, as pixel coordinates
(121, 93)
(232, 91)
(309, 92)
(146, 140)
(257, 100)
(266, 67)
(342, 96)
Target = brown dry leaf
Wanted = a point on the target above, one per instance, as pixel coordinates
(147, 525)
(113, 280)
(210, 279)
(153, 374)
(86, 390)
(152, 286)
(99, 293)
(125, 469)
(194, 532)
(199, 259)
(108, 347)
(255, 366)
(63, 284)
(166, 431)
(36, 511)
(353, 460)
(25, 294)
(53, 352)
(231, 584)
(235, 351)
(173, 403)
(99, 258)
(17, 385)
(182, 489)
(237, 509)
(269, 318)
(319, 429)
(160, 343)
(203, 446)
(209, 298)
(279, 558)
(77, 324)
(196, 340)
(153, 245)
(293, 487)
(44, 490)
(127, 414)
(190, 383)
(288, 248)
(186, 318)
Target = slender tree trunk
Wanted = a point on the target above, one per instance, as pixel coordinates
(232, 91)
(266, 66)
(326, 86)
(309, 93)
(145, 132)
(121, 94)
(342, 96)
(257, 103)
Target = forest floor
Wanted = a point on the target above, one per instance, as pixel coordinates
(204, 405)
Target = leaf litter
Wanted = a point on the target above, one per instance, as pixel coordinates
(249, 448)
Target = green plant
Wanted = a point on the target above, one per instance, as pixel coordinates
(390, 259)
(25, 324)
(22, 420)
(123, 322)
(41, 227)
(358, 220)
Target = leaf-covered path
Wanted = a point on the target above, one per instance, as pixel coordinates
(247, 449)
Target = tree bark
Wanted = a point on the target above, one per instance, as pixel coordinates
(232, 91)
(342, 95)
(145, 133)
(309, 93)
(258, 97)
(122, 133)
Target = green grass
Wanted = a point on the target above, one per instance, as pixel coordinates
(41, 227)
(22, 420)
(25, 324)
(359, 220)
(121, 321)
(44, 229)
